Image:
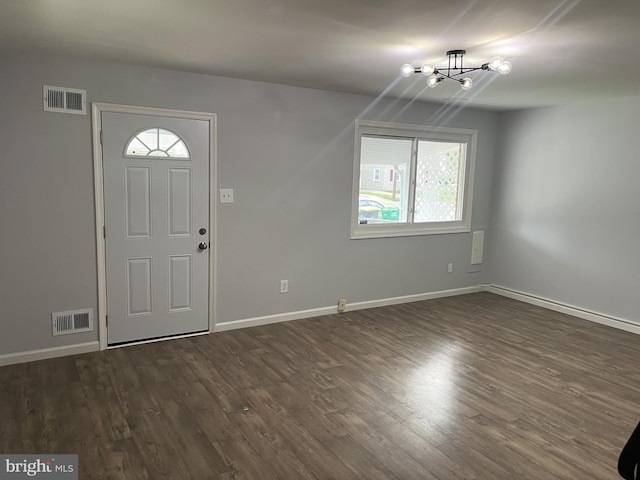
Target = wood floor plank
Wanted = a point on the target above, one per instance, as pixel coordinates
(396, 460)
(473, 387)
(299, 429)
(360, 460)
(154, 438)
(120, 461)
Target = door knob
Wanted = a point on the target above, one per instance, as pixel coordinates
(203, 246)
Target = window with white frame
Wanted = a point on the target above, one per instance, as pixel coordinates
(428, 187)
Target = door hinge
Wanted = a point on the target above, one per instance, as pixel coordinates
(106, 319)
(100, 137)
(104, 231)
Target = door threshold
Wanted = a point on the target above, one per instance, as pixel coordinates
(157, 339)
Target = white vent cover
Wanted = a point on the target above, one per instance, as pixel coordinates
(73, 321)
(64, 100)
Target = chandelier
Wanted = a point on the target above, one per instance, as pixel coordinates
(456, 69)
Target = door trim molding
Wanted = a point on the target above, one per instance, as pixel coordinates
(97, 109)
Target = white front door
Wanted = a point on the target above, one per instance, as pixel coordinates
(156, 197)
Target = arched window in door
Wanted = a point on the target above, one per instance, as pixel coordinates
(158, 143)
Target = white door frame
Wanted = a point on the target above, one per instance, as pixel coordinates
(96, 111)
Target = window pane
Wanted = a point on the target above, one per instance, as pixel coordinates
(166, 139)
(158, 153)
(137, 148)
(149, 138)
(438, 179)
(179, 150)
(384, 180)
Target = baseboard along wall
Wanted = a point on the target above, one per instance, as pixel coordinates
(608, 320)
(46, 353)
(621, 324)
(317, 312)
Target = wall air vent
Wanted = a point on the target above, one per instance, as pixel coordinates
(73, 321)
(64, 100)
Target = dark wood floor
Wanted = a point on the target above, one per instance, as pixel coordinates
(470, 387)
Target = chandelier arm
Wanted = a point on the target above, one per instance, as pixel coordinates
(440, 71)
(446, 72)
(462, 71)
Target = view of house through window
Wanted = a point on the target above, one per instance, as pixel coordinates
(411, 180)
(384, 199)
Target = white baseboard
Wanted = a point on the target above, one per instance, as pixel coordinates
(46, 353)
(317, 312)
(280, 317)
(582, 313)
(413, 298)
(619, 323)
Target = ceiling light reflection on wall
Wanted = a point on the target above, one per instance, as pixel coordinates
(456, 69)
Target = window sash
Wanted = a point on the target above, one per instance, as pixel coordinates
(416, 134)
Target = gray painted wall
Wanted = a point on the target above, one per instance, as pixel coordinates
(566, 215)
(287, 153)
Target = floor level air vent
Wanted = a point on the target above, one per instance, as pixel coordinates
(64, 100)
(74, 321)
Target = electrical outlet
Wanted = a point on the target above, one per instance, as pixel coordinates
(284, 286)
(342, 304)
(450, 268)
(226, 195)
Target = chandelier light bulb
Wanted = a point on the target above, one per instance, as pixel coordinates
(505, 67)
(407, 70)
(433, 81)
(466, 83)
(427, 70)
(495, 62)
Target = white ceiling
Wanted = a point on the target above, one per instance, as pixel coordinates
(561, 50)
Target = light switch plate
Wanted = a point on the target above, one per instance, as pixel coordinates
(226, 195)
